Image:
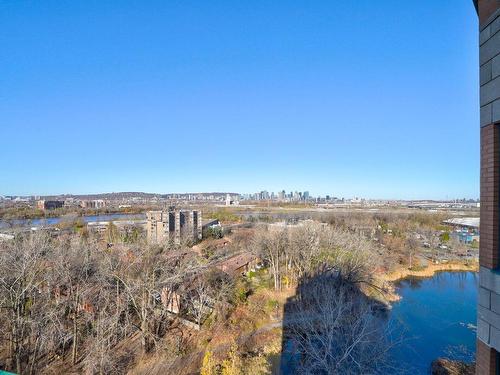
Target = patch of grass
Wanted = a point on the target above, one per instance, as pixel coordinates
(224, 215)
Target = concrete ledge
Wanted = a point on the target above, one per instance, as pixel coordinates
(486, 114)
(483, 331)
(484, 35)
(486, 72)
(488, 316)
(495, 111)
(484, 297)
(490, 91)
(489, 49)
(489, 279)
(495, 302)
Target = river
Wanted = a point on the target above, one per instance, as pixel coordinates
(4, 224)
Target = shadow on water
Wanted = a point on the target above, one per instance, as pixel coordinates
(331, 327)
(438, 315)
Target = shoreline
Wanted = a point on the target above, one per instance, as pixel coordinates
(389, 279)
(430, 270)
(36, 214)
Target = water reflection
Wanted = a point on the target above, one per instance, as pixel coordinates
(436, 317)
(6, 224)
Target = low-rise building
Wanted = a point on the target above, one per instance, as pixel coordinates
(49, 205)
(231, 201)
(94, 203)
(239, 264)
(466, 229)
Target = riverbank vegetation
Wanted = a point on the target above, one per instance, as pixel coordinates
(12, 214)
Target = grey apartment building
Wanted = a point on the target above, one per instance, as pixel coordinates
(174, 225)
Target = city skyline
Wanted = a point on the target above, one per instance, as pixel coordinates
(184, 99)
(277, 195)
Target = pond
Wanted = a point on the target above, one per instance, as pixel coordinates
(436, 317)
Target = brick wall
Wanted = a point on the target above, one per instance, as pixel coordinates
(490, 184)
(486, 8)
(485, 359)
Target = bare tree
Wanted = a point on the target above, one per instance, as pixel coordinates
(100, 358)
(200, 301)
(351, 254)
(141, 277)
(75, 279)
(304, 249)
(22, 266)
(297, 251)
(334, 329)
(273, 245)
(412, 246)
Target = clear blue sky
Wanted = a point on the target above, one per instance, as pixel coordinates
(350, 98)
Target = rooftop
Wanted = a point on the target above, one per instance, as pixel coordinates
(472, 222)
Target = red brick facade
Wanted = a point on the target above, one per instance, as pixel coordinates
(486, 8)
(490, 207)
(485, 359)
